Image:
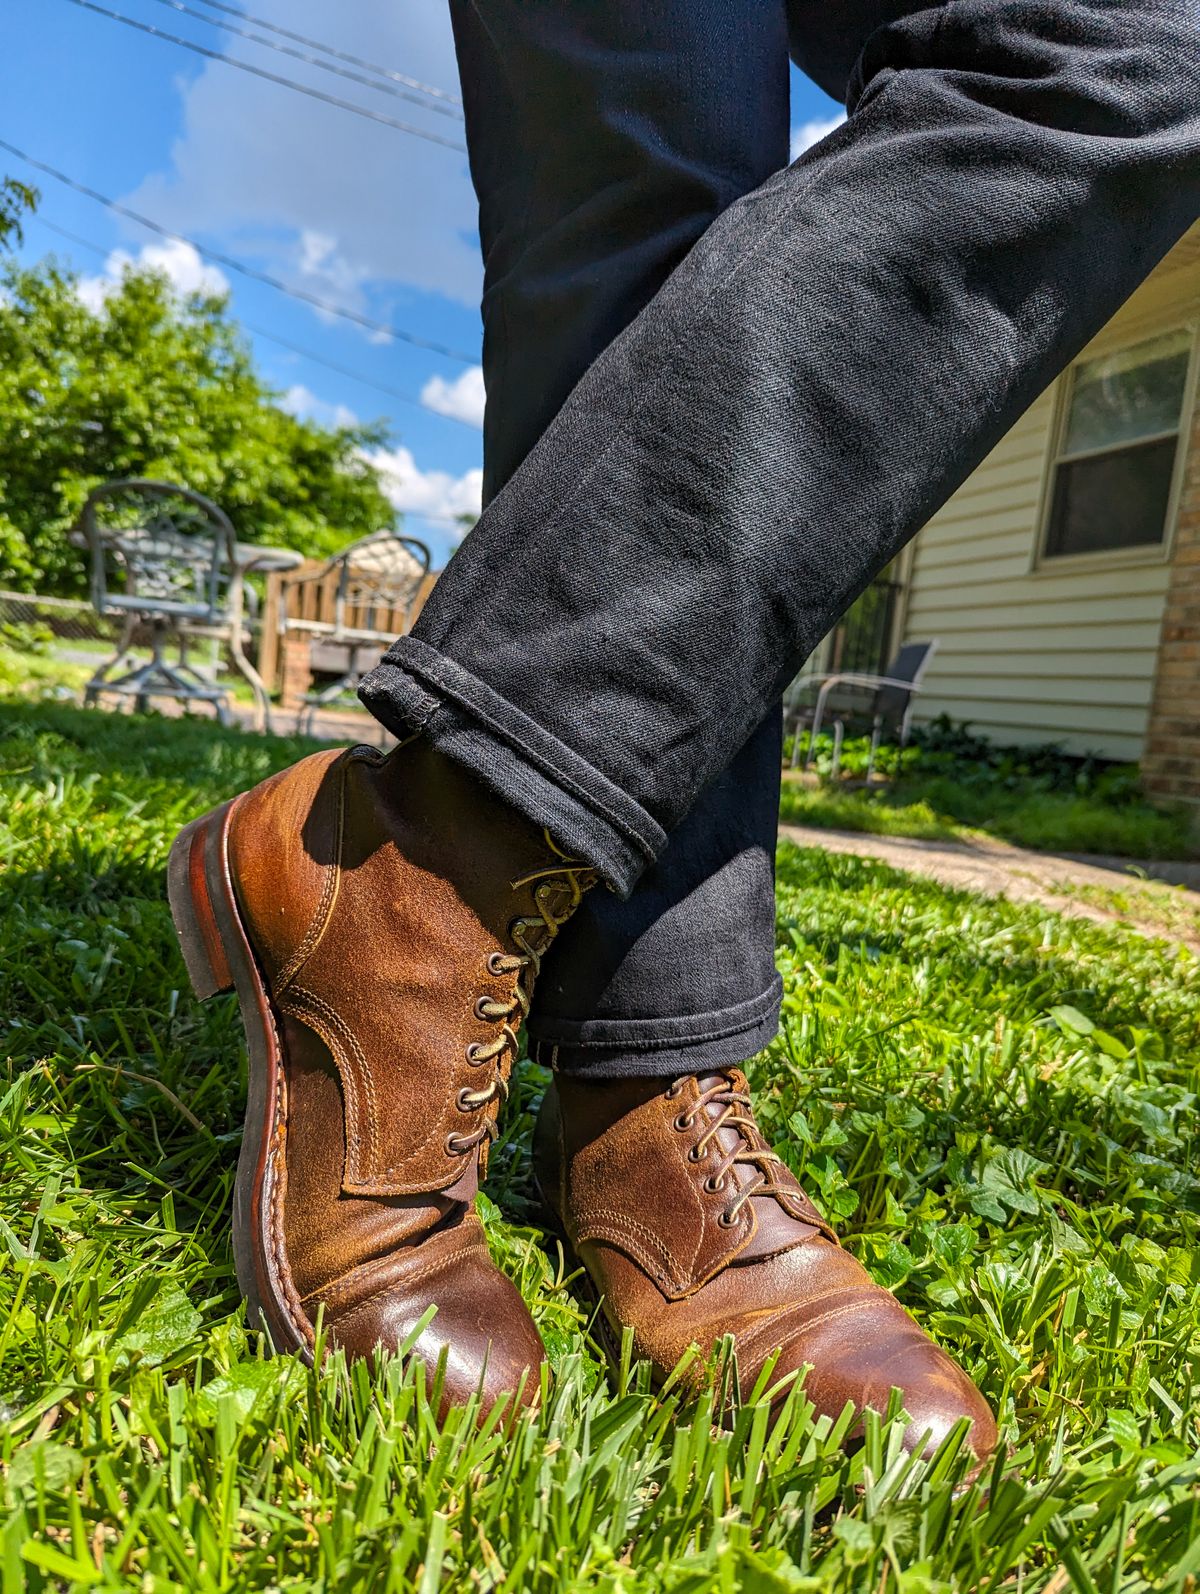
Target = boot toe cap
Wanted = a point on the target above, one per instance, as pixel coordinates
(873, 1347)
(481, 1331)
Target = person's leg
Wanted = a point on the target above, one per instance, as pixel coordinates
(604, 142)
(830, 361)
(635, 128)
(678, 978)
(383, 921)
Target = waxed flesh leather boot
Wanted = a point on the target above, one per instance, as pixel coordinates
(690, 1228)
(382, 920)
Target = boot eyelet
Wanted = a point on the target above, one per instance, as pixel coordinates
(454, 1147)
(683, 1123)
(473, 1057)
(493, 963)
(724, 1221)
(673, 1090)
(461, 1104)
(713, 1186)
(694, 1154)
(482, 1003)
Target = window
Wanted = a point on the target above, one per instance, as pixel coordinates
(1119, 437)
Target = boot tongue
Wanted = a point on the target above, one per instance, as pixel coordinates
(786, 1218)
(466, 1187)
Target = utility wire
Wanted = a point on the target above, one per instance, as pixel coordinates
(420, 514)
(338, 55)
(240, 266)
(270, 77)
(442, 107)
(273, 337)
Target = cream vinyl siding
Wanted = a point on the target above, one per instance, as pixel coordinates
(1062, 653)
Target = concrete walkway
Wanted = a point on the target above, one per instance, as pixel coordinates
(1156, 899)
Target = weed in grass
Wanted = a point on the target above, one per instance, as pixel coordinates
(999, 1108)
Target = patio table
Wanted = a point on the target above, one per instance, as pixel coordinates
(251, 558)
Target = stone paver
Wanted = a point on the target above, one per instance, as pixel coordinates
(998, 869)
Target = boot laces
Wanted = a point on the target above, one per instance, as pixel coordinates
(737, 1114)
(558, 890)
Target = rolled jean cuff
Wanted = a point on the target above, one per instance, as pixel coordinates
(414, 687)
(658, 1047)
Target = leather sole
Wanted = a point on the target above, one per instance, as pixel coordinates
(220, 959)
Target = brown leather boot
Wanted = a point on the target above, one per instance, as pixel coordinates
(382, 921)
(691, 1228)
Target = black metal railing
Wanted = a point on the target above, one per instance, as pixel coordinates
(864, 638)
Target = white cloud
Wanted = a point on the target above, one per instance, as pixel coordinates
(433, 493)
(462, 399)
(178, 262)
(812, 132)
(317, 195)
(326, 271)
(302, 402)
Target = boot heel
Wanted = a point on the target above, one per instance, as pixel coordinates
(194, 852)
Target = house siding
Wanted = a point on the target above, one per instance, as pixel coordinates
(1063, 653)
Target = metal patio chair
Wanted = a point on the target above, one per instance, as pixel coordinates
(884, 702)
(162, 564)
(166, 565)
(379, 580)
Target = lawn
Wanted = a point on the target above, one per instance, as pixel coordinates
(998, 1106)
(952, 785)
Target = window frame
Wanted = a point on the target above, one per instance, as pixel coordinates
(1142, 553)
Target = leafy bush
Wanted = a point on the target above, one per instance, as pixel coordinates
(152, 385)
(949, 782)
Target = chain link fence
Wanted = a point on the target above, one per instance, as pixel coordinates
(68, 620)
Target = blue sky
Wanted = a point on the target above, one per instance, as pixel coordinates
(356, 213)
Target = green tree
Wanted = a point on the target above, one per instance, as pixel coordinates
(155, 385)
(15, 199)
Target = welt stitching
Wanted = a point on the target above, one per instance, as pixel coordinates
(292, 1305)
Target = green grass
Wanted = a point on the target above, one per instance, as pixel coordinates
(1173, 911)
(942, 808)
(998, 1107)
(35, 673)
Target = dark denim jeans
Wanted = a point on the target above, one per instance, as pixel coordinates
(749, 387)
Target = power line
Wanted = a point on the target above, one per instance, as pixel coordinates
(270, 77)
(315, 300)
(274, 337)
(339, 55)
(441, 106)
(308, 354)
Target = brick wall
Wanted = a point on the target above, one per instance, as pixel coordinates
(1171, 762)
